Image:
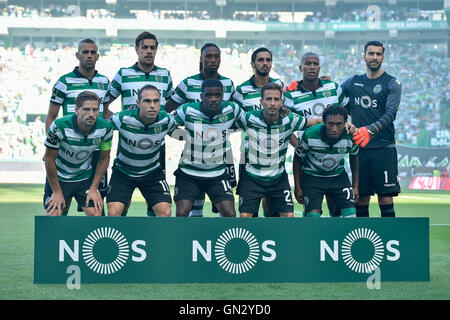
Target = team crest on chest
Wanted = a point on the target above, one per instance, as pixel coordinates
(377, 89)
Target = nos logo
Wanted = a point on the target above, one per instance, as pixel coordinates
(362, 250)
(236, 250)
(105, 250)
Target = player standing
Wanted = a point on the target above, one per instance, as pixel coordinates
(267, 140)
(141, 138)
(312, 95)
(70, 143)
(202, 166)
(128, 81)
(374, 98)
(81, 78)
(189, 90)
(248, 95)
(319, 165)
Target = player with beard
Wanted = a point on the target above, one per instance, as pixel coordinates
(84, 77)
(248, 96)
(70, 144)
(374, 98)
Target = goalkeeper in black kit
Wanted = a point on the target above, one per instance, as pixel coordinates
(374, 98)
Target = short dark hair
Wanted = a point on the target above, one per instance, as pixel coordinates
(261, 49)
(211, 82)
(206, 46)
(86, 96)
(373, 43)
(147, 87)
(271, 86)
(87, 40)
(334, 111)
(308, 54)
(145, 35)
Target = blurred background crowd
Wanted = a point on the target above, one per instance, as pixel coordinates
(29, 69)
(27, 76)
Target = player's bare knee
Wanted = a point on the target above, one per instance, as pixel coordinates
(89, 211)
(286, 214)
(245, 215)
(163, 210)
(115, 209)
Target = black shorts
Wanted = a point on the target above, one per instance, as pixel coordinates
(153, 187)
(252, 190)
(188, 187)
(77, 190)
(338, 189)
(378, 172)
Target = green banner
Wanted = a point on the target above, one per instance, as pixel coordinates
(357, 26)
(229, 250)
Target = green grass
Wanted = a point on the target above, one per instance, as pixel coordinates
(20, 203)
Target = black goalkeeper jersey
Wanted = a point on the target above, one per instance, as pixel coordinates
(373, 103)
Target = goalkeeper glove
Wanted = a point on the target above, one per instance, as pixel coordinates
(362, 136)
(293, 86)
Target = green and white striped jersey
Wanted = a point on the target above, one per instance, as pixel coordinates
(140, 145)
(189, 89)
(322, 157)
(248, 94)
(75, 150)
(71, 84)
(128, 81)
(312, 104)
(266, 145)
(204, 153)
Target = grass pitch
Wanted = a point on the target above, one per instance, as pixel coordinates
(20, 203)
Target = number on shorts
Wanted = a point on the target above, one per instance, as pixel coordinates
(349, 192)
(385, 176)
(164, 185)
(226, 185)
(288, 195)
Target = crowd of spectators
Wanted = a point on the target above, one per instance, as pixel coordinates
(386, 14)
(27, 76)
(328, 14)
(33, 12)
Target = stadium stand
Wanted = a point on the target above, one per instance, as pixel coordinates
(28, 75)
(31, 59)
